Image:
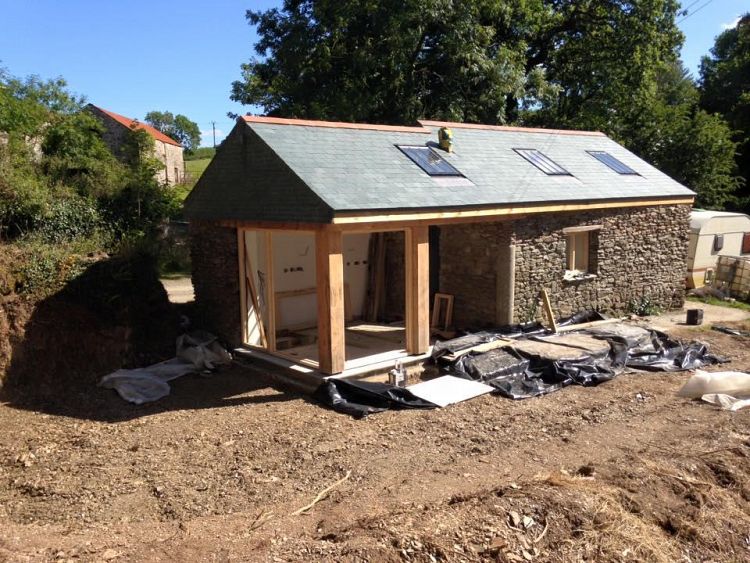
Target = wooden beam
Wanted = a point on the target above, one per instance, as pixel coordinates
(329, 272)
(270, 292)
(548, 311)
(242, 270)
(468, 215)
(581, 229)
(266, 225)
(417, 255)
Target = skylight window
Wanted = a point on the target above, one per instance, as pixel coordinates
(429, 161)
(612, 162)
(543, 162)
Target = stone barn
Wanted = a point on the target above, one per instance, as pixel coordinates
(325, 245)
(168, 151)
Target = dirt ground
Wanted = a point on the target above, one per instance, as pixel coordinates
(621, 472)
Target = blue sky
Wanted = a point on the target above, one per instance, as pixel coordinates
(136, 56)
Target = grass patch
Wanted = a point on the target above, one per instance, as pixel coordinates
(194, 168)
(711, 300)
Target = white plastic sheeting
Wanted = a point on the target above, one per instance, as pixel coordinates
(729, 390)
(196, 352)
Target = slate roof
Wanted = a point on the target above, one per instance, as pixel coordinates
(135, 124)
(350, 167)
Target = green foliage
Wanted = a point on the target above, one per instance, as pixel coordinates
(643, 306)
(59, 181)
(392, 61)
(201, 153)
(75, 155)
(41, 269)
(23, 192)
(178, 127)
(725, 90)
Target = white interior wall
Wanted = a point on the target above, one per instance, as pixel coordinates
(356, 250)
(294, 269)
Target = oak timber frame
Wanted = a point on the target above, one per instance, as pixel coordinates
(331, 290)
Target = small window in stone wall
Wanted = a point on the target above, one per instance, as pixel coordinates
(577, 250)
(581, 245)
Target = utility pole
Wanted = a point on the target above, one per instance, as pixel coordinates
(213, 126)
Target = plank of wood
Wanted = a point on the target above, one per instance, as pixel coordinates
(253, 295)
(484, 347)
(270, 301)
(548, 310)
(242, 271)
(589, 324)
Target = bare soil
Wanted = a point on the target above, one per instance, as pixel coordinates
(625, 471)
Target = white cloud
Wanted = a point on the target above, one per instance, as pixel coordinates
(207, 137)
(731, 24)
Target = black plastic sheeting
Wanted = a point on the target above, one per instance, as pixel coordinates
(518, 375)
(360, 398)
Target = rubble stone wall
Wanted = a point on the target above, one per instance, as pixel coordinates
(639, 253)
(213, 251)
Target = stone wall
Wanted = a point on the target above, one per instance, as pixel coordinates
(213, 251)
(174, 164)
(469, 267)
(171, 156)
(638, 253)
(394, 307)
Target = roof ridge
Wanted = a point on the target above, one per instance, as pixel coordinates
(138, 124)
(333, 124)
(460, 125)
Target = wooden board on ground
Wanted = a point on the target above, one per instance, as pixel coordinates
(484, 347)
(584, 342)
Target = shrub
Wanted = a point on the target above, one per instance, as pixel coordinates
(643, 306)
(69, 219)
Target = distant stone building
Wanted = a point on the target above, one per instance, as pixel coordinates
(167, 150)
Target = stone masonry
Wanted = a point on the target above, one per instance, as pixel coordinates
(171, 156)
(638, 253)
(213, 251)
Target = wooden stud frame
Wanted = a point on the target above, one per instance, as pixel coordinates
(442, 309)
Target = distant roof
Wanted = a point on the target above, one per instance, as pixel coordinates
(135, 124)
(699, 218)
(350, 167)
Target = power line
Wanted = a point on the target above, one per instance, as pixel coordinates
(695, 11)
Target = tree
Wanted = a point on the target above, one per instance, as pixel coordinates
(179, 127)
(725, 90)
(391, 61)
(608, 65)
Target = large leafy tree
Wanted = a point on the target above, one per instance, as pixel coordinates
(179, 127)
(609, 65)
(390, 61)
(725, 89)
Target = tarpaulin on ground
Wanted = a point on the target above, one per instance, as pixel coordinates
(627, 346)
(525, 368)
(197, 352)
(360, 398)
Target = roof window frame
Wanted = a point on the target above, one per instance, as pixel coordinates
(454, 173)
(554, 168)
(625, 170)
